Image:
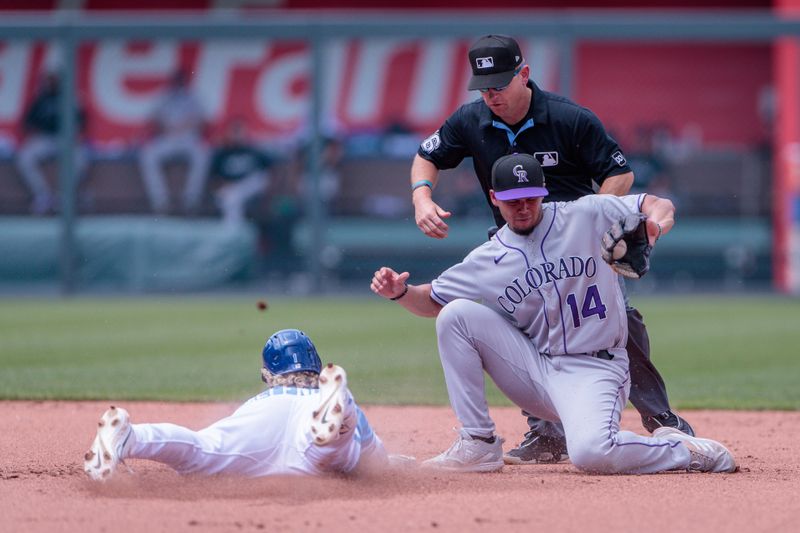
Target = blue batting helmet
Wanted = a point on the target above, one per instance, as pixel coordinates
(290, 350)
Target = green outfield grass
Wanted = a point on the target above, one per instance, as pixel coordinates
(714, 351)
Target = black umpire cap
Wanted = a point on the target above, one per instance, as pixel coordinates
(517, 176)
(494, 60)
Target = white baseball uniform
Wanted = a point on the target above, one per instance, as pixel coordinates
(545, 317)
(270, 434)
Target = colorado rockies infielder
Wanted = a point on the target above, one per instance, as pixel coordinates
(305, 422)
(577, 154)
(543, 314)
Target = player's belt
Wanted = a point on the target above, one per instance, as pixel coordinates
(603, 354)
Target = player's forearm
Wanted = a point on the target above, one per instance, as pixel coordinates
(661, 211)
(418, 301)
(423, 171)
(618, 185)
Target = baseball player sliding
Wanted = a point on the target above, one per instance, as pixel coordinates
(305, 422)
(540, 310)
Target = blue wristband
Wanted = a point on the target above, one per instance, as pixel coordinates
(421, 183)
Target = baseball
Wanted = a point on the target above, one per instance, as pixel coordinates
(262, 305)
(619, 250)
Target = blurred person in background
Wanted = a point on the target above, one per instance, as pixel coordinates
(177, 124)
(276, 222)
(577, 156)
(41, 125)
(239, 172)
(330, 162)
(283, 211)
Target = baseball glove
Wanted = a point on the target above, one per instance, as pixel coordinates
(626, 248)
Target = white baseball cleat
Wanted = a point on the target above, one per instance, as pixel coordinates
(335, 414)
(468, 454)
(706, 455)
(113, 436)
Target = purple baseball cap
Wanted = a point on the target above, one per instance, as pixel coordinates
(518, 176)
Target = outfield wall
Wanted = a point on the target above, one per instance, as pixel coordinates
(145, 254)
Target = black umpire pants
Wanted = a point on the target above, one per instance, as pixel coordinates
(648, 391)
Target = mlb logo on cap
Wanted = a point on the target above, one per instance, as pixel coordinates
(493, 59)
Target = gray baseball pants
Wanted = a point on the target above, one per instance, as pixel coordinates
(585, 393)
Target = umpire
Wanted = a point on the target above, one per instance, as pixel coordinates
(575, 152)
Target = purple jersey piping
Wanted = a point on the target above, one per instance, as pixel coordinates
(555, 284)
(527, 262)
(528, 265)
(437, 297)
(546, 320)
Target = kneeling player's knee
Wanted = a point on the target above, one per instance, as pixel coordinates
(595, 456)
(457, 313)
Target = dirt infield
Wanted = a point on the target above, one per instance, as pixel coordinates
(43, 488)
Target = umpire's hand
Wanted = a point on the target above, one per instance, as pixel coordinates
(429, 217)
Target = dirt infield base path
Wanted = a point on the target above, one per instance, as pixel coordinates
(43, 487)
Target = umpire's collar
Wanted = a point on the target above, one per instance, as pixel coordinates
(537, 110)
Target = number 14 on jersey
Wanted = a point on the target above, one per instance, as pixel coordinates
(591, 305)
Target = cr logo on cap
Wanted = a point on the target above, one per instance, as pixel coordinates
(484, 62)
(520, 173)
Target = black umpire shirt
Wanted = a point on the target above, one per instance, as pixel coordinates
(568, 140)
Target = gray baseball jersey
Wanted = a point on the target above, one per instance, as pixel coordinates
(552, 284)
